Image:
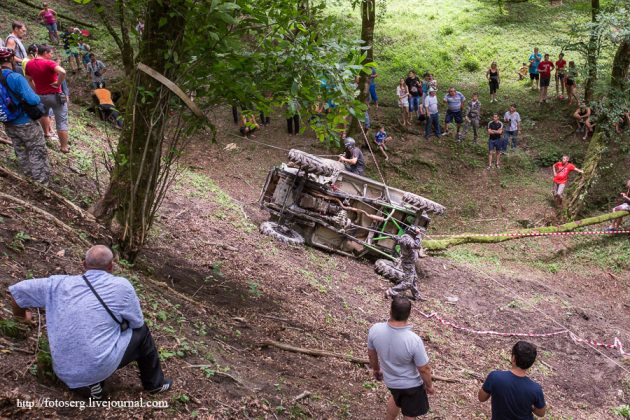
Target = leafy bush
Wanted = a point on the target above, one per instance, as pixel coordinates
(471, 63)
(446, 31)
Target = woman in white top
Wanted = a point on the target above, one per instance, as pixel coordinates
(403, 102)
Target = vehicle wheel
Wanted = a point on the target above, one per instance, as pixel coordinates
(311, 163)
(422, 203)
(388, 269)
(281, 233)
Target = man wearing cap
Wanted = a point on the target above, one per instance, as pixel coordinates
(431, 109)
(25, 134)
(353, 157)
(409, 243)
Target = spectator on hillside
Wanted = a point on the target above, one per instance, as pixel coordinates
(583, 117)
(534, 59)
(404, 101)
(414, 87)
(561, 171)
(95, 69)
(293, 117)
(473, 116)
(522, 72)
(493, 80)
(70, 39)
(622, 122)
(84, 53)
(514, 395)
(14, 41)
(398, 357)
(352, 157)
(455, 102)
(31, 52)
(382, 138)
(561, 65)
(49, 18)
(513, 121)
(48, 78)
(544, 70)
(95, 325)
(25, 134)
(625, 206)
(372, 87)
(105, 105)
(571, 83)
(433, 116)
(495, 144)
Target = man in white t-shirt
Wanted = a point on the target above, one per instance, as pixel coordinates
(433, 116)
(513, 125)
(398, 357)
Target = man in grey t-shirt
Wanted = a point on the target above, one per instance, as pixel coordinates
(398, 357)
(88, 344)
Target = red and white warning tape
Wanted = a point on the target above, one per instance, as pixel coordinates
(591, 232)
(617, 344)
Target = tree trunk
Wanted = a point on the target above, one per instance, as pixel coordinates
(441, 244)
(591, 54)
(600, 140)
(133, 193)
(123, 42)
(368, 20)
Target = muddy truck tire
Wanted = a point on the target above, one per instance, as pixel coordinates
(312, 164)
(388, 269)
(422, 203)
(281, 233)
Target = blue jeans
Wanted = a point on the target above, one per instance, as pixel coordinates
(506, 139)
(414, 103)
(434, 120)
(373, 93)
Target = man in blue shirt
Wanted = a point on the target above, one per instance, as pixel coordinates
(86, 316)
(514, 395)
(455, 102)
(25, 134)
(534, 61)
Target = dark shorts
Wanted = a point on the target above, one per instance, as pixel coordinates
(533, 76)
(454, 115)
(544, 81)
(561, 76)
(570, 82)
(496, 144)
(413, 402)
(494, 86)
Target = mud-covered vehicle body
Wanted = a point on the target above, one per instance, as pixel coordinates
(316, 201)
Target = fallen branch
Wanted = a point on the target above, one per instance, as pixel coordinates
(441, 244)
(84, 214)
(3, 141)
(45, 215)
(324, 353)
(303, 395)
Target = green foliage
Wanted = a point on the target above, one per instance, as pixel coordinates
(622, 411)
(17, 244)
(10, 328)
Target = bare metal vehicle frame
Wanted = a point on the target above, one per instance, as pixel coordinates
(318, 202)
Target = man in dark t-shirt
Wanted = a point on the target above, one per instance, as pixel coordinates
(415, 91)
(353, 157)
(514, 395)
(495, 143)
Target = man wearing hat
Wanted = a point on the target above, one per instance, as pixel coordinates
(433, 119)
(409, 243)
(353, 157)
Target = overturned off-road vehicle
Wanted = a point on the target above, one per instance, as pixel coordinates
(318, 202)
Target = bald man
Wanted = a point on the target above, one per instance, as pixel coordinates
(95, 325)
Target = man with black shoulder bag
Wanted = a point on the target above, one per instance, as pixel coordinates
(95, 325)
(20, 107)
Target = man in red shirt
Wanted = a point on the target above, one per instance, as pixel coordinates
(560, 67)
(561, 171)
(47, 76)
(544, 69)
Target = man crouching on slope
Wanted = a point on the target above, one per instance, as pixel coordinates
(95, 325)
